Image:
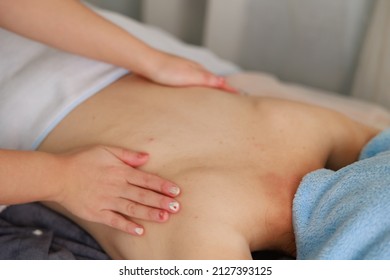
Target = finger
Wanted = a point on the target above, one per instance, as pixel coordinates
(135, 196)
(138, 211)
(134, 159)
(152, 182)
(222, 84)
(208, 79)
(229, 88)
(219, 82)
(119, 222)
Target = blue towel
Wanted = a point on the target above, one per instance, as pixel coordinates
(346, 214)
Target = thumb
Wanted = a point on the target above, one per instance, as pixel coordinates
(134, 159)
(211, 80)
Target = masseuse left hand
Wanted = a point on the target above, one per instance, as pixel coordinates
(102, 40)
(171, 70)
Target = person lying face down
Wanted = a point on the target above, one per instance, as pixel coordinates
(238, 160)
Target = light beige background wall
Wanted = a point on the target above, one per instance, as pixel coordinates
(313, 42)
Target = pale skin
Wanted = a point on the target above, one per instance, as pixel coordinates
(238, 160)
(70, 26)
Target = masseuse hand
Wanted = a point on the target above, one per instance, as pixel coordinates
(103, 185)
(102, 40)
(171, 70)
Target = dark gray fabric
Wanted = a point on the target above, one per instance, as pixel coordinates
(33, 231)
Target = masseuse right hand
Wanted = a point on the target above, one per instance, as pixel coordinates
(102, 184)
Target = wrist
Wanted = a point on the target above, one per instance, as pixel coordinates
(147, 62)
(56, 175)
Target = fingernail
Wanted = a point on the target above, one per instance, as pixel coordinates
(174, 191)
(174, 206)
(163, 215)
(221, 80)
(142, 155)
(139, 231)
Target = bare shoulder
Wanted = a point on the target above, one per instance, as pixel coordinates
(343, 136)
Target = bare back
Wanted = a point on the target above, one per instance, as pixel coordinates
(238, 161)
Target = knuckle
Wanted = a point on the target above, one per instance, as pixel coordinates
(131, 209)
(147, 179)
(117, 221)
(114, 221)
(115, 175)
(141, 196)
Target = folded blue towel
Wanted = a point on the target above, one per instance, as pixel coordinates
(346, 214)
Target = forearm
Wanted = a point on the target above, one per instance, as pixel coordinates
(97, 183)
(70, 26)
(28, 177)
